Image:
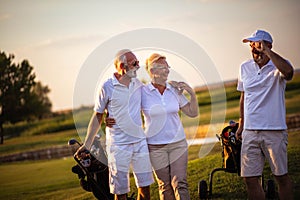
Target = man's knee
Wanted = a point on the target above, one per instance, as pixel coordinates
(251, 181)
(180, 185)
(144, 190)
(165, 186)
(283, 180)
(120, 196)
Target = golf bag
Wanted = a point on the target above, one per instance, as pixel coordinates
(231, 149)
(92, 171)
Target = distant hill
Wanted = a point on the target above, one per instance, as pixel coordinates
(228, 83)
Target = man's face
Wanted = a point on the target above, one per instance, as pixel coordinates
(258, 56)
(132, 65)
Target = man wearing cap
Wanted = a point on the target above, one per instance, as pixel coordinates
(263, 129)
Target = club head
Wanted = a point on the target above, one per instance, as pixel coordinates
(73, 141)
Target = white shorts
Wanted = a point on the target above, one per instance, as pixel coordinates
(260, 145)
(121, 158)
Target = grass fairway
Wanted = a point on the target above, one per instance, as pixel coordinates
(40, 180)
(53, 179)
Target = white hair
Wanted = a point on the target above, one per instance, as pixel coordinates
(121, 57)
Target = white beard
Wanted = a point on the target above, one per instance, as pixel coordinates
(131, 73)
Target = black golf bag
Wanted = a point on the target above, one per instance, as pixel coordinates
(92, 170)
(231, 149)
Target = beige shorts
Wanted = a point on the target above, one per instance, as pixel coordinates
(123, 157)
(258, 146)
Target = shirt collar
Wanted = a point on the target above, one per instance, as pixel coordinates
(151, 87)
(115, 81)
(270, 63)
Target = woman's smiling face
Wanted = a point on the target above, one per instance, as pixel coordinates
(161, 70)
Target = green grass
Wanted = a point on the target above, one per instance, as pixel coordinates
(53, 179)
(45, 126)
(34, 142)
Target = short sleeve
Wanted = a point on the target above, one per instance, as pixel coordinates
(101, 99)
(240, 84)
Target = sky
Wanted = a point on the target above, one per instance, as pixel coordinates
(59, 37)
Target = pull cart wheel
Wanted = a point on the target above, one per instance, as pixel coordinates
(202, 189)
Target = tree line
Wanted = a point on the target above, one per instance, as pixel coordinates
(22, 97)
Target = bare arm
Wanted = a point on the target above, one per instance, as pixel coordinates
(191, 108)
(282, 65)
(241, 120)
(93, 128)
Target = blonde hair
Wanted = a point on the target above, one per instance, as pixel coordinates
(153, 58)
(121, 57)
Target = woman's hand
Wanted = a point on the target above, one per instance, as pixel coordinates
(191, 108)
(181, 86)
(110, 122)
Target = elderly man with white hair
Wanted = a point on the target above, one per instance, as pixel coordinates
(126, 142)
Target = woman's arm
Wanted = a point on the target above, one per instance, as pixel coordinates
(191, 109)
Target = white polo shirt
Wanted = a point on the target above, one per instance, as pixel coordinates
(124, 105)
(162, 121)
(264, 100)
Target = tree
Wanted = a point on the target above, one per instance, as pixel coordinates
(38, 105)
(21, 98)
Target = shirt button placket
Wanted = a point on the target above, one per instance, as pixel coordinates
(163, 100)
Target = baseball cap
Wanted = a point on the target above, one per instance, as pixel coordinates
(259, 35)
